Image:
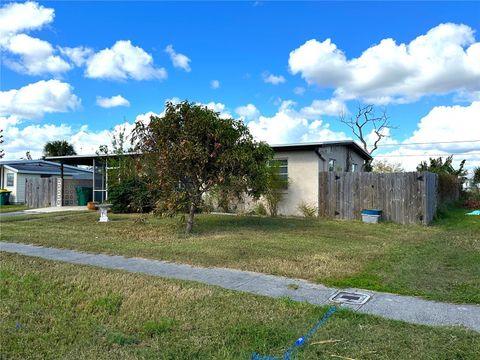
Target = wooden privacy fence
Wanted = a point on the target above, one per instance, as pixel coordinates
(405, 198)
(46, 192)
(40, 192)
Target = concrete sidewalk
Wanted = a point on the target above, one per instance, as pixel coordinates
(406, 308)
(46, 210)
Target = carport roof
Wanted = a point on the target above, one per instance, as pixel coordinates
(84, 159)
(41, 167)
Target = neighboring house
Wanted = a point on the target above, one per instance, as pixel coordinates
(14, 173)
(469, 184)
(301, 163)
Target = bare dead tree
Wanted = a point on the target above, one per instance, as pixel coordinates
(365, 121)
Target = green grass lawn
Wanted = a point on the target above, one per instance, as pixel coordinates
(53, 310)
(11, 208)
(437, 262)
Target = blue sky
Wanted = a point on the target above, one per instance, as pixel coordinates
(242, 45)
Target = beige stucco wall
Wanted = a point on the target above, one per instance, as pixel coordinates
(303, 168)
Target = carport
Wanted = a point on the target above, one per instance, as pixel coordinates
(99, 166)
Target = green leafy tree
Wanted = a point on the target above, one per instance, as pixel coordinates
(120, 168)
(58, 148)
(191, 150)
(450, 180)
(438, 166)
(476, 176)
(119, 144)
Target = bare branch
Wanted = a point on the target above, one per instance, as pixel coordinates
(366, 119)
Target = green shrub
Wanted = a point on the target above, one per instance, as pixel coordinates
(131, 196)
(307, 210)
(449, 188)
(260, 209)
(208, 203)
(471, 199)
(277, 185)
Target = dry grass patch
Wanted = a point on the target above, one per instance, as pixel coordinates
(56, 310)
(438, 262)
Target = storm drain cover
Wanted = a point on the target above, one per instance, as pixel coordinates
(350, 297)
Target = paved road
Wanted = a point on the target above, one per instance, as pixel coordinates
(406, 308)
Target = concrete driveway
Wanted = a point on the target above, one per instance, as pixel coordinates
(46, 210)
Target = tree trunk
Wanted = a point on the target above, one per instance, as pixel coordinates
(191, 214)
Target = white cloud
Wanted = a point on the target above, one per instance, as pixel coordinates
(273, 79)
(114, 101)
(78, 55)
(34, 100)
(19, 17)
(442, 124)
(286, 126)
(333, 107)
(123, 61)
(446, 59)
(145, 118)
(178, 60)
(218, 107)
(299, 90)
(248, 111)
(21, 52)
(447, 123)
(36, 56)
(33, 137)
(290, 126)
(215, 84)
(174, 100)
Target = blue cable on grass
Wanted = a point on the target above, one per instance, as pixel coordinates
(302, 340)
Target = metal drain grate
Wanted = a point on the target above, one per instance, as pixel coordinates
(348, 297)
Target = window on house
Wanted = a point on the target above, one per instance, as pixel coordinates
(331, 165)
(282, 165)
(10, 177)
(354, 167)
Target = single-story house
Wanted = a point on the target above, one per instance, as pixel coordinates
(302, 163)
(14, 173)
